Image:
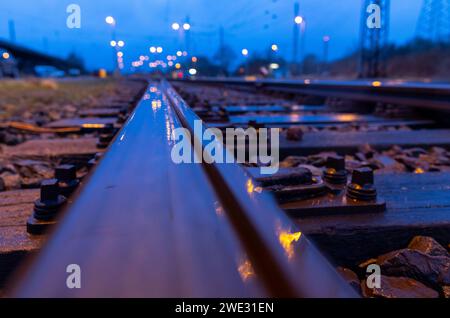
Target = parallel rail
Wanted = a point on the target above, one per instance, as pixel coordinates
(418, 95)
(142, 226)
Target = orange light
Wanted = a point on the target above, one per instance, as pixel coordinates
(5, 55)
(194, 59)
(377, 84)
(419, 171)
(245, 269)
(102, 73)
(178, 66)
(250, 186)
(93, 126)
(287, 239)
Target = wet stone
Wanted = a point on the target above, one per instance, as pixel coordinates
(387, 164)
(446, 291)
(427, 245)
(399, 287)
(10, 139)
(430, 270)
(10, 181)
(291, 162)
(415, 152)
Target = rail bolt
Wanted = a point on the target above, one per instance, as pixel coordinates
(335, 172)
(362, 185)
(46, 207)
(67, 179)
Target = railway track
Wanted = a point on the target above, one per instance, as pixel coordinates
(357, 179)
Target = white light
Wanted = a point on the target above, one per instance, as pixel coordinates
(298, 20)
(193, 71)
(274, 47)
(113, 43)
(175, 26)
(274, 66)
(159, 49)
(110, 20)
(185, 53)
(170, 63)
(186, 26)
(121, 43)
(153, 49)
(244, 52)
(179, 53)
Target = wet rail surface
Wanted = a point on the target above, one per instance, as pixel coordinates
(142, 226)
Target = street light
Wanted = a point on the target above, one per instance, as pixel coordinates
(183, 29)
(274, 47)
(153, 49)
(121, 43)
(244, 52)
(159, 49)
(110, 20)
(114, 44)
(298, 19)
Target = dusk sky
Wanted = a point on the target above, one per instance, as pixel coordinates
(253, 24)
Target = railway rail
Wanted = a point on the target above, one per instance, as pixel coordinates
(143, 226)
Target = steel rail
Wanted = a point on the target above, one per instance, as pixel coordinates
(417, 95)
(143, 226)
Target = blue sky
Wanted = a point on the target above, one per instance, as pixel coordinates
(254, 24)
